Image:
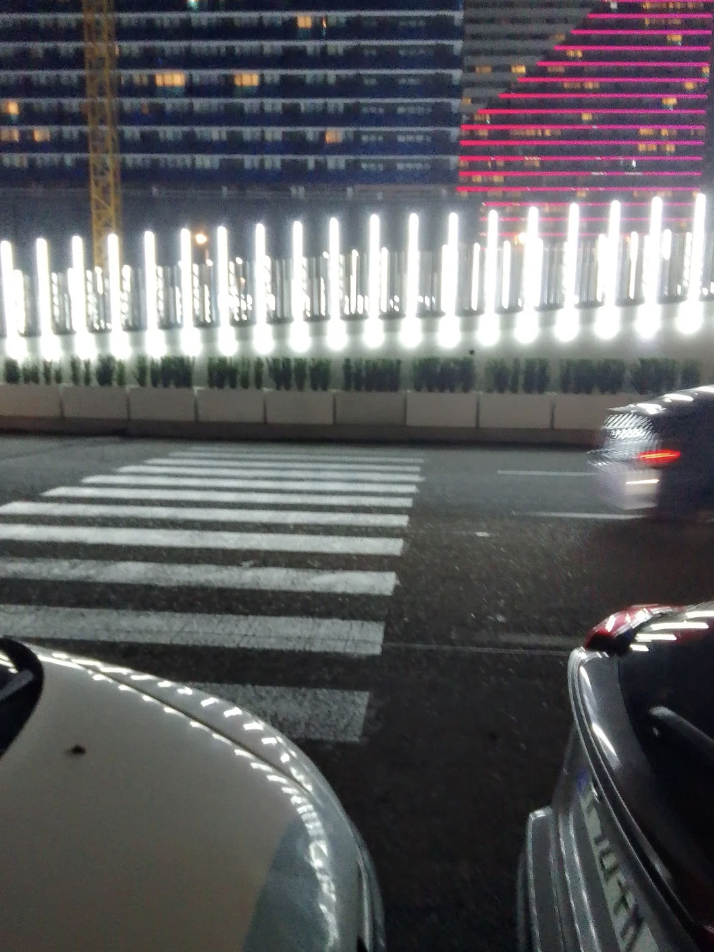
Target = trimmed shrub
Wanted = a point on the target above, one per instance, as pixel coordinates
(47, 368)
(154, 372)
(691, 374)
(300, 372)
(243, 368)
(466, 373)
(653, 375)
(347, 379)
(514, 377)
(610, 376)
(584, 376)
(58, 374)
(565, 376)
(75, 371)
(259, 372)
(12, 370)
(320, 373)
(536, 375)
(30, 372)
(87, 373)
(497, 375)
(121, 373)
(280, 370)
(106, 368)
(141, 370)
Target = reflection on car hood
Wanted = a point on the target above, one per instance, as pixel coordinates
(137, 817)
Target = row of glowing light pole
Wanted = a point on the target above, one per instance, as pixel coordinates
(567, 323)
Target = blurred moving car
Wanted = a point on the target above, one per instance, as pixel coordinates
(140, 814)
(623, 860)
(659, 454)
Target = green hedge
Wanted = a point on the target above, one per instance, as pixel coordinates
(379, 376)
(444, 375)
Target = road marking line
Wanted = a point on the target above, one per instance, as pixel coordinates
(539, 472)
(233, 498)
(263, 632)
(208, 463)
(285, 517)
(281, 474)
(322, 714)
(177, 575)
(254, 484)
(599, 516)
(317, 456)
(201, 539)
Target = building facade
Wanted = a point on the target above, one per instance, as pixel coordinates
(611, 107)
(290, 97)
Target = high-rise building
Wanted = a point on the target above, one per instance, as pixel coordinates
(611, 107)
(290, 97)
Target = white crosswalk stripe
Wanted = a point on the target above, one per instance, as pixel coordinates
(150, 476)
(231, 498)
(319, 506)
(283, 517)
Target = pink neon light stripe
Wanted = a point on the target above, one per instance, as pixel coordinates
(613, 79)
(569, 125)
(529, 142)
(649, 16)
(589, 204)
(598, 95)
(581, 158)
(575, 112)
(541, 174)
(670, 49)
(674, 29)
(569, 188)
(598, 63)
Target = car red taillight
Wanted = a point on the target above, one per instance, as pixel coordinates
(615, 633)
(658, 457)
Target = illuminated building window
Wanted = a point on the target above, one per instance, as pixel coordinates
(556, 69)
(518, 68)
(41, 135)
(10, 108)
(9, 135)
(482, 69)
(646, 146)
(141, 79)
(690, 86)
(591, 85)
(559, 38)
(246, 79)
(581, 193)
(669, 101)
(586, 116)
(304, 23)
(572, 85)
(482, 133)
(532, 163)
(170, 80)
(674, 38)
(646, 131)
(670, 147)
(705, 70)
(333, 136)
(575, 54)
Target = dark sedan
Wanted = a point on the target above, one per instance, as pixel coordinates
(659, 454)
(623, 859)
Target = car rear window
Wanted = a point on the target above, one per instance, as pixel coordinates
(20, 686)
(666, 684)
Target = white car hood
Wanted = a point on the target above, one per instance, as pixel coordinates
(165, 830)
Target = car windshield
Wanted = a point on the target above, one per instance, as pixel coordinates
(667, 689)
(20, 686)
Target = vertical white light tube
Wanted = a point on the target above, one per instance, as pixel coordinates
(410, 334)
(48, 342)
(14, 343)
(475, 274)
(384, 281)
(117, 338)
(506, 274)
(373, 328)
(336, 330)
(83, 342)
(607, 321)
(189, 335)
(299, 333)
(262, 335)
(696, 263)
(154, 337)
(570, 258)
(601, 257)
(449, 330)
(649, 320)
(489, 329)
(567, 322)
(526, 330)
(634, 254)
(227, 341)
(690, 313)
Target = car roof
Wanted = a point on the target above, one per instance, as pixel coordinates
(673, 402)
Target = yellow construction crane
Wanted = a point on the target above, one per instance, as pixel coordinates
(100, 58)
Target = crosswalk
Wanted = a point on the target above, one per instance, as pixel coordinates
(220, 548)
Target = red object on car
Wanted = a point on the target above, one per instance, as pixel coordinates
(658, 457)
(617, 629)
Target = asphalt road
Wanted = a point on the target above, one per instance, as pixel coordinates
(419, 659)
